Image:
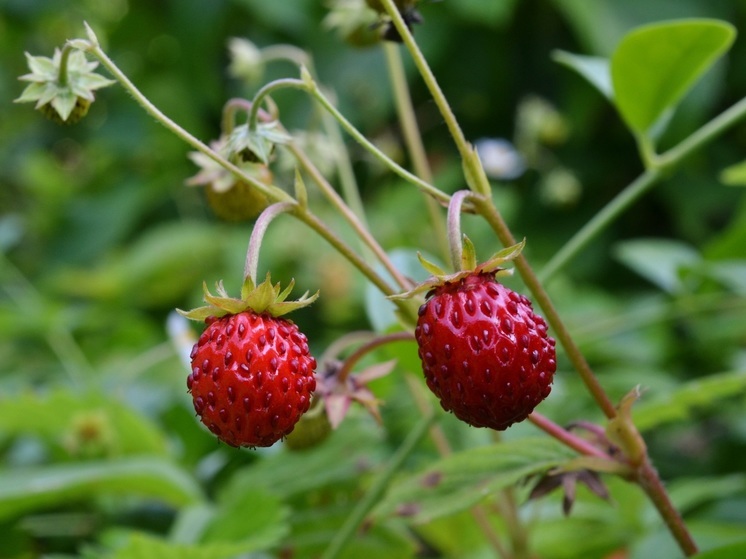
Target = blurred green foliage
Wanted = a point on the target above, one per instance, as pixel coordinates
(100, 455)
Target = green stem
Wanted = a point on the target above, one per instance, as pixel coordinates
(274, 193)
(455, 238)
(257, 235)
(413, 140)
(291, 53)
(376, 491)
(424, 186)
(271, 87)
(488, 211)
(64, 58)
(228, 122)
(353, 220)
(660, 167)
(473, 169)
(600, 222)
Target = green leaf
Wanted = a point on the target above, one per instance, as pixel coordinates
(660, 261)
(461, 480)
(655, 65)
(697, 394)
(594, 69)
(142, 546)
(730, 551)
(49, 486)
(251, 516)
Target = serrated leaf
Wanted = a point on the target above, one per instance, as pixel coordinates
(36, 488)
(699, 394)
(654, 66)
(143, 546)
(461, 480)
(595, 69)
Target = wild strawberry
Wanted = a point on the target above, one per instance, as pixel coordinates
(485, 353)
(252, 374)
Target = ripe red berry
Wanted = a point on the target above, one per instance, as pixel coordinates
(484, 352)
(252, 378)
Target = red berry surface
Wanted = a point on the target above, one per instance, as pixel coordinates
(484, 352)
(252, 378)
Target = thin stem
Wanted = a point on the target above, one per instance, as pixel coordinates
(230, 109)
(661, 166)
(473, 169)
(413, 140)
(369, 346)
(274, 193)
(488, 211)
(376, 491)
(600, 222)
(704, 135)
(566, 437)
(375, 152)
(291, 53)
(650, 482)
(257, 236)
(64, 58)
(271, 87)
(353, 220)
(454, 228)
(408, 311)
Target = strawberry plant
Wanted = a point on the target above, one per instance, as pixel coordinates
(593, 365)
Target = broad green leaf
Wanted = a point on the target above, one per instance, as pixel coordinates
(730, 551)
(594, 69)
(35, 488)
(655, 65)
(461, 480)
(88, 424)
(697, 394)
(690, 494)
(660, 261)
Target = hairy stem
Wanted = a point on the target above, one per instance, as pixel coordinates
(566, 437)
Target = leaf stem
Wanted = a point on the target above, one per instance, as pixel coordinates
(369, 346)
(64, 58)
(660, 167)
(376, 491)
(455, 238)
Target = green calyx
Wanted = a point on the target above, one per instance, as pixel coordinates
(469, 267)
(263, 298)
(62, 83)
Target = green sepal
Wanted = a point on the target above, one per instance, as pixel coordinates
(263, 298)
(440, 277)
(468, 254)
(595, 464)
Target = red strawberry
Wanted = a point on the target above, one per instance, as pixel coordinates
(252, 374)
(484, 352)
